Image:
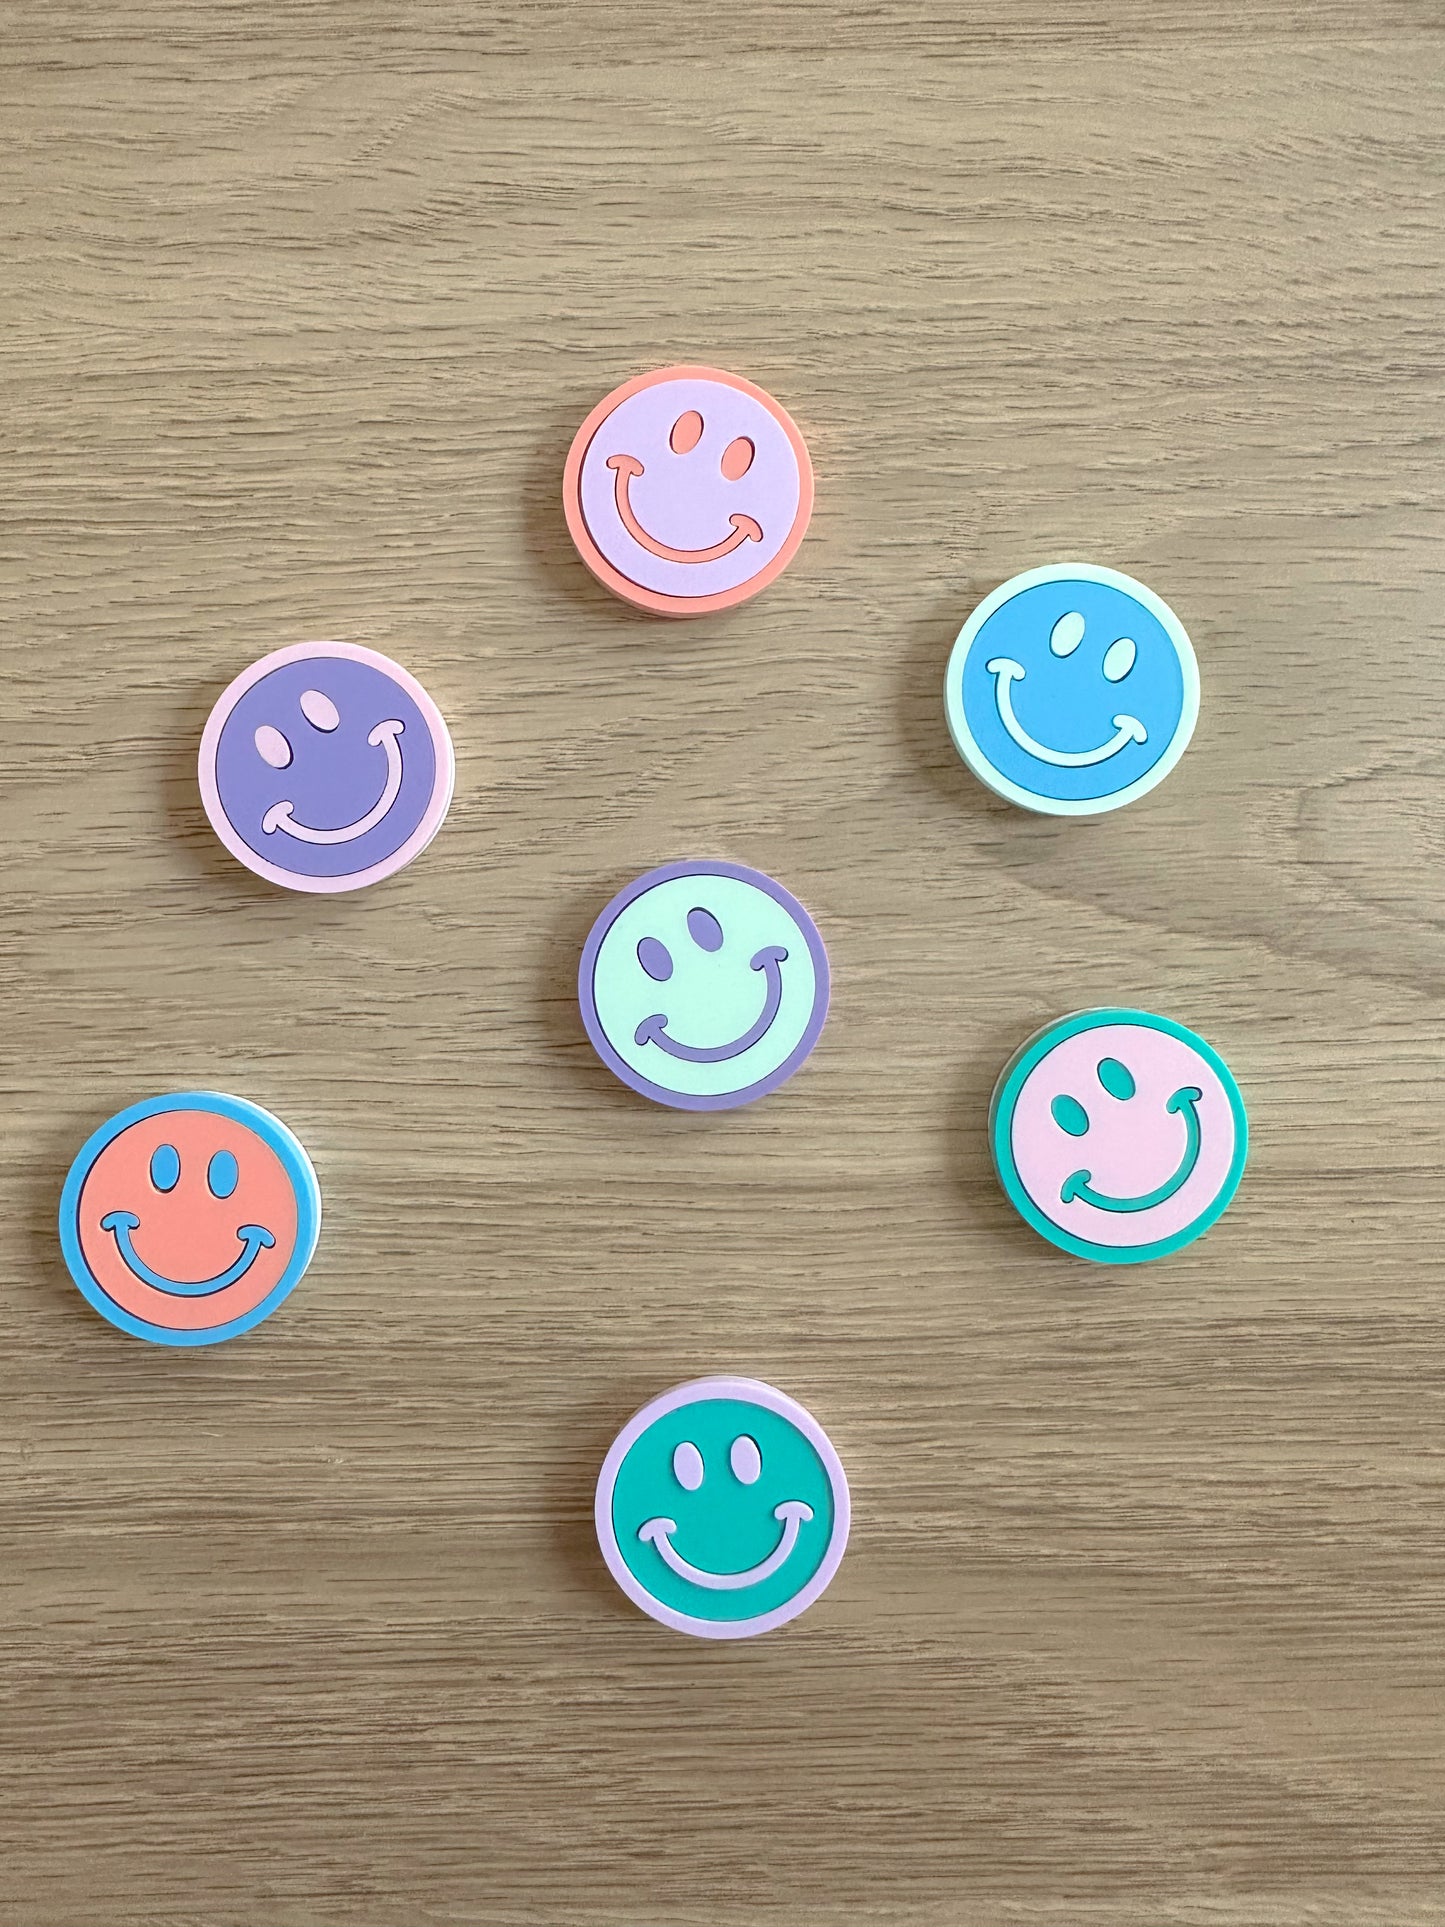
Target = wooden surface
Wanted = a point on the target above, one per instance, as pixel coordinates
(1142, 1619)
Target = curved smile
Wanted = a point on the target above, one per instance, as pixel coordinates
(654, 1029)
(1079, 1185)
(658, 1532)
(279, 816)
(744, 528)
(1128, 729)
(120, 1224)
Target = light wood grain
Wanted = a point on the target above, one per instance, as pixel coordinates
(1141, 1623)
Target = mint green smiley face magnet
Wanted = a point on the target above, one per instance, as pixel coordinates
(722, 1508)
(703, 985)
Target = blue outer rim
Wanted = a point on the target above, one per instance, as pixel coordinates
(240, 1110)
(724, 1100)
(1000, 1119)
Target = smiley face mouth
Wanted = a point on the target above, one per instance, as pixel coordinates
(658, 1532)
(1128, 729)
(279, 816)
(1079, 1185)
(744, 528)
(654, 1029)
(254, 1238)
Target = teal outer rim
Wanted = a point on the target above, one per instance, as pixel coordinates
(272, 1131)
(1000, 1118)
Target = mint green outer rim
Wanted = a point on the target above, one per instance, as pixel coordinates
(1000, 1122)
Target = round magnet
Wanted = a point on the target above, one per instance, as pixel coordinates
(188, 1219)
(703, 985)
(326, 766)
(1120, 1136)
(1072, 690)
(687, 490)
(722, 1508)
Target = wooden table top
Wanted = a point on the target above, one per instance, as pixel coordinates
(1141, 1620)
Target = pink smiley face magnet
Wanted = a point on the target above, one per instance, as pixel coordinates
(1120, 1136)
(687, 490)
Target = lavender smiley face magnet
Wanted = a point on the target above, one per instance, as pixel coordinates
(687, 490)
(326, 766)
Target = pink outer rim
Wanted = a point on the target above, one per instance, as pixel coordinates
(754, 1392)
(420, 836)
(653, 600)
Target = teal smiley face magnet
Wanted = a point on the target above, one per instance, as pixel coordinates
(722, 1508)
(703, 985)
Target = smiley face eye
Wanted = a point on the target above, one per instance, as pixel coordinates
(223, 1174)
(1070, 1115)
(1116, 1078)
(686, 433)
(704, 929)
(654, 958)
(1119, 658)
(737, 459)
(319, 710)
(165, 1167)
(745, 1459)
(687, 1466)
(272, 747)
(1067, 633)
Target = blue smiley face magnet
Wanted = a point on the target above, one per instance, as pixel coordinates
(1072, 690)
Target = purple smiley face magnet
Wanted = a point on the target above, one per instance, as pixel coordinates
(325, 767)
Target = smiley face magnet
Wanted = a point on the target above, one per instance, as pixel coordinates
(325, 767)
(687, 490)
(704, 985)
(188, 1219)
(1120, 1136)
(722, 1509)
(1072, 690)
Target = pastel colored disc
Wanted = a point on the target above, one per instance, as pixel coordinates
(1072, 690)
(1120, 1136)
(325, 767)
(188, 1219)
(722, 1509)
(687, 490)
(703, 985)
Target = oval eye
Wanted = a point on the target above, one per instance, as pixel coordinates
(319, 710)
(745, 1458)
(686, 433)
(1116, 1078)
(687, 1466)
(222, 1174)
(737, 459)
(704, 929)
(165, 1167)
(1070, 1115)
(1119, 658)
(272, 747)
(654, 959)
(1067, 633)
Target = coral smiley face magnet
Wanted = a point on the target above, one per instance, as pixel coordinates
(722, 1508)
(703, 985)
(1071, 690)
(687, 490)
(326, 766)
(188, 1219)
(1119, 1136)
